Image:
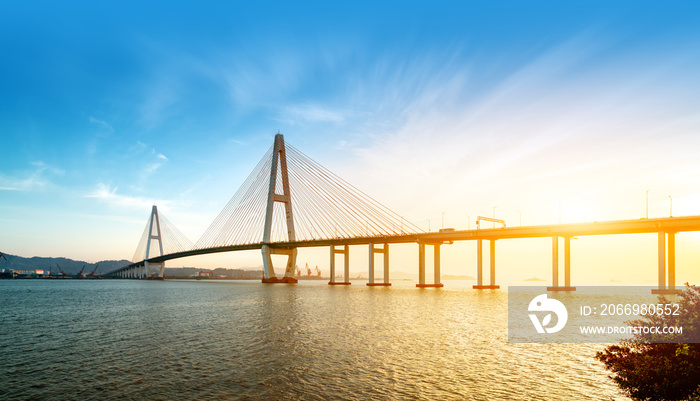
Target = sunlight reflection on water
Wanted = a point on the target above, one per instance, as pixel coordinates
(127, 339)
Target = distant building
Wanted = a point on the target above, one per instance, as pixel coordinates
(204, 274)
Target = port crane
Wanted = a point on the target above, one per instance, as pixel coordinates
(3, 255)
(80, 273)
(63, 274)
(92, 275)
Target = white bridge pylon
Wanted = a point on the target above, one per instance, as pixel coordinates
(279, 158)
(290, 201)
(159, 238)
(152, 233)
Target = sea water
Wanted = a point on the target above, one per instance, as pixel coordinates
(218, 340)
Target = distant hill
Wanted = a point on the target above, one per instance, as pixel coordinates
(534, 279)
(69, 266)
(218, 272)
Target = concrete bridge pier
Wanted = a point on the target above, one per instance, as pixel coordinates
(148, 270)
(663, 288)
(436, 266)
(385, 251)
(345, 251)
(269, 276)
(479, 267)
(555, 265)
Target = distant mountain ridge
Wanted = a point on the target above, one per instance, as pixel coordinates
(69, 266)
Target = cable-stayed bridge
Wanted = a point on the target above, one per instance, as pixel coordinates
(289, 201)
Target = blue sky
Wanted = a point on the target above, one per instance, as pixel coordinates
(456, 107)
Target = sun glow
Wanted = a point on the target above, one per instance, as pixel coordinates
(579, 212)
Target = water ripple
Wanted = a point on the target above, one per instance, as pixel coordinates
(177, 340)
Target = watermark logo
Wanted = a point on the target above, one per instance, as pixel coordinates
(541, 304)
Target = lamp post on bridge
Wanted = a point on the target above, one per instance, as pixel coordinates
(443, 219)
(428, 225)
(494, 216)
(647, 211)
(671, 211)
(469, 223)
(520, 215)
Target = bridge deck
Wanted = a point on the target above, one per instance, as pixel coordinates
(639, 226)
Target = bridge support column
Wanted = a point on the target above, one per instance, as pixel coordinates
(421, 264)
(436, 266)
(671, 261)
(555, 265)
(385, 252)
(480, 268)
(269, 276)
(148, 272)
(386, 265)
(671, 289)
(345, 251)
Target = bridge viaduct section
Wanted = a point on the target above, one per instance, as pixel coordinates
(317, 209)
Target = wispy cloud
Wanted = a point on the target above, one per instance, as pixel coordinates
(151, 168)
(108, 194)
(563, 121)
(261, 82)
(102, 124)
(154, 159)
(36, 179)
(311, 113)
